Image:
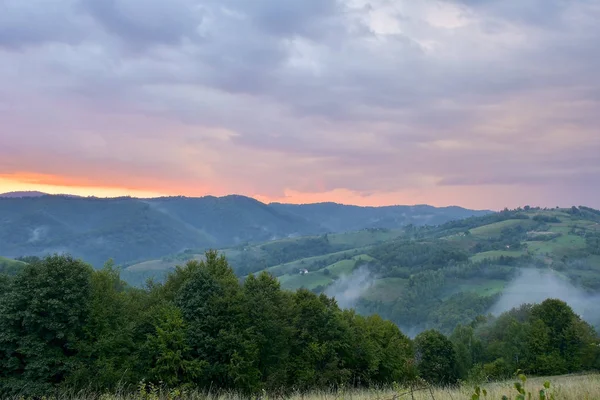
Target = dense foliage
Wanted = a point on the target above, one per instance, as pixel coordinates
(541, 339)
(65, 325)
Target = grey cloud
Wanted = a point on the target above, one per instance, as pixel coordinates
(302, 82)
(530, 178)
(547, 13)
(147, 21)
(29, 23)
(309, 18)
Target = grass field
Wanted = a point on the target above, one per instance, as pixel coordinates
(293, 266)
(496, 254)
(153, 265)
(568, 387)
(497, 227)
(308, 281)
(10, 266)
(10, 261)
(355, 241)
(363, 238)
(294, 280)
(483, 287)
(558, 246)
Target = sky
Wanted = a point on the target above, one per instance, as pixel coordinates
(479, 103)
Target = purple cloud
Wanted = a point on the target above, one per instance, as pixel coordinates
(269, 97)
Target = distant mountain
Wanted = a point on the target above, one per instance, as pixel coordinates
(22, 194)
(32, 193)
(130, 229)
(341, 218)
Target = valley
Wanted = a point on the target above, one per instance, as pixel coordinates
(419, 275)
(398, 306)
(429, 276)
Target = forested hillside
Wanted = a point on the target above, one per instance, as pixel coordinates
(420, 277)
(433, 276)
(66, 326)
(130, 230)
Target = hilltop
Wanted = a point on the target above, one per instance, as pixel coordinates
(130, 230)
(431, 276)
(31, 193)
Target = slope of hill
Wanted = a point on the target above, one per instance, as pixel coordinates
(9, 266)
(439, 277)
(132, 230)
(433, 276)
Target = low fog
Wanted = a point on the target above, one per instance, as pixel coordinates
(37, 234)
(349, 288)
(534, 286)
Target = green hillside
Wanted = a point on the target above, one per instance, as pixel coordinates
(429, 276)
(9, 266)
(450, 277)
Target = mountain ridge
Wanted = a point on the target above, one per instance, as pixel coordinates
(129, 229)
(34, 193)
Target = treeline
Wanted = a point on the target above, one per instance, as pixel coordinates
(64, 325)
(541, 339)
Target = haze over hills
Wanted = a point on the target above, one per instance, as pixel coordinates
(131, 229)
(434, 276)
(420, 266)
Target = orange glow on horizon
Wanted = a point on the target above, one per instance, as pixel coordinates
(52, 184)
(434, 196)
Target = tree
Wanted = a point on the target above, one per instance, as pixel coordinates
(394, 351)
(468, 349)
(435, 358)
(568, 336)
(321, 343)
(212, 306)
(113, 333)
(268, 309)
(167, 351)
(41, 322)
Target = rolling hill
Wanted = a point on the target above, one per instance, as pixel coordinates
(22, 194)
(9, 266)
(131, 230)
(420, 266)
(433, 276)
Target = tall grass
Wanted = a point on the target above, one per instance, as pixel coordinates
(567, 387)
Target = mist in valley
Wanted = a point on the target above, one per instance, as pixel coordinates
(534, 286)
(349, 288)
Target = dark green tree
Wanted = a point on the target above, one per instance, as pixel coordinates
(42, 320)
(212, 305)
(435, 358)
(167, 353)
(321, 343)
(268, 310)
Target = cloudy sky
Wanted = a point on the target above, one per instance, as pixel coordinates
(479, 103)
